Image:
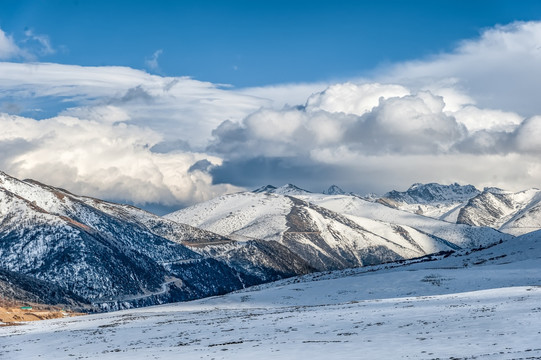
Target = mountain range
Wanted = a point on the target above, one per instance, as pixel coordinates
(514, 213)
(100, 255)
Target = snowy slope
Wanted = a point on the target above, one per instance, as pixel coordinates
(355, 208)
(114, 255)
(433, 200)
(241, 216)
(288, 189)
(515, 213)
(456, 308)
(87, 210)
(330, 236)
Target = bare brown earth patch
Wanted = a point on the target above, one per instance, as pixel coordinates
(13, 313)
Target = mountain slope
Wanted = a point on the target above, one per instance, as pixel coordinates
(325, 238)
(456, 307)
(515, 213)
(18, 288)
(433, 200)
(356, 208)
(110, 254)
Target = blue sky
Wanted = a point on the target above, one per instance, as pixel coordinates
(254, 43)
(164, 104)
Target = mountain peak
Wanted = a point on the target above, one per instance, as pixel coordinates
(433, 192)
(334, 190)
(264, 189)
(288, 189)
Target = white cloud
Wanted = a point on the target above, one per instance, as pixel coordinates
(500, 69)
(353, 98)
(8, 47)
(152, 63)
(176, 107)
(41, 44)
(411, 123)
(476, 119)
(107, 160)
(124, 134)
(528, 136)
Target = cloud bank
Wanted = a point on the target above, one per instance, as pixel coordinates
(398, 139)
(469, 116)
(500, 69)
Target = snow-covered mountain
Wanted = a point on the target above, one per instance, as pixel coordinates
(477, 303)
(23, 288)
(514, 213)
(117, 255)
(433, 200)
(358, 210)
(331, 231)
(334, 190)
(120, 256)
(288, 189)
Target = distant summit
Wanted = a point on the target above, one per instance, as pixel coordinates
(264, 189)
(431, 193)
(288, 189)
(334, 190)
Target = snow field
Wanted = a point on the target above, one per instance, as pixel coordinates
(426, 310)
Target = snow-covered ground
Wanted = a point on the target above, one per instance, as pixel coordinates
(481, 304)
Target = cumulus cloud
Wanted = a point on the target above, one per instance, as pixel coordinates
(500, 69)
(179, 108)
(467, 116)
(353, 98)
(381, 131)
(476, 119)
(407, 124)
(108, 160)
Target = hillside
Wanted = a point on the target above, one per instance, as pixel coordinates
(469, 304)
(331, 231)
(111, 255)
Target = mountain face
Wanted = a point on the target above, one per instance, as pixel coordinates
(331, 231)
(288, 189)
(15, 287)
(515, 213)
(334, 190)
(116, 255)
(434, 200)
(433, 193)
